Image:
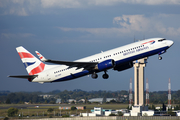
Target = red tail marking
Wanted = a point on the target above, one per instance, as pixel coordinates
(25, 55)
(38, 69)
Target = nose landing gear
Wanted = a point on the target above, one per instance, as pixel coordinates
(160, 58)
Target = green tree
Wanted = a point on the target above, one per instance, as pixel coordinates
(112, 101)
(52, 102)
(73, 102)
(12, 111)
(120, 113)
(73, 108)
(6, 118)
(177, 107)
(112, 114)
(50, 110)
(8, 101)
(152, 107)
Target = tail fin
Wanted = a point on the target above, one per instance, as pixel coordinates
(31, 63)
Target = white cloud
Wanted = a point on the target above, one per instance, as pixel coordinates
(18, 35)
(13, 7)
(17, 11)
(131, 24)
(75, 41)
(153, 2)
(61, 3)
(26, 7)
(82, 3)
(96, 31)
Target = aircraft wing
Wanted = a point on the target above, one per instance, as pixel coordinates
(24, 76)
(85, 65)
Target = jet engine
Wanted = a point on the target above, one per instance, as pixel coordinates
(124, 66)
(107, 64)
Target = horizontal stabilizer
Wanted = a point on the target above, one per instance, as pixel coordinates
(24, 76)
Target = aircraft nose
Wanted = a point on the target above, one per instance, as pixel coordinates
(170, 43)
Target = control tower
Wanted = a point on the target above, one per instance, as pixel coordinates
(139, 81)
(139, 105)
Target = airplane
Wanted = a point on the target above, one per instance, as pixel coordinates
(118, 59)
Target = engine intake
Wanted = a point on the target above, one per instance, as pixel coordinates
(107, 64)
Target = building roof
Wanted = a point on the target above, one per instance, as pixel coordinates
(101, 99)
(96, 100)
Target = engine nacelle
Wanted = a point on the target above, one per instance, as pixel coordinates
(124, 66)
(105, 65)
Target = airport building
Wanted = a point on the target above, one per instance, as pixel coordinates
(58, 101)
(98, 111)
(101, 100)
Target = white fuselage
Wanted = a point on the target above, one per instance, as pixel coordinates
(120, 55)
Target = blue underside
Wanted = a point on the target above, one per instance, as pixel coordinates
(129, 59)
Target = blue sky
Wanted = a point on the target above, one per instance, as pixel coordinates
(72, 29)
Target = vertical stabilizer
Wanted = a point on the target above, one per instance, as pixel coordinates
(31, 63)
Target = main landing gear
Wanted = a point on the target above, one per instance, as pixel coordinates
(105, 75)
(94, 75)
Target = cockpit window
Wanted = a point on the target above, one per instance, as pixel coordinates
(161, 40)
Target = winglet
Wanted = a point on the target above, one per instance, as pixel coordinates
(41, 57)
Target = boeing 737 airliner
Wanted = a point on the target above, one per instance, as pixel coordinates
(119, 59)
